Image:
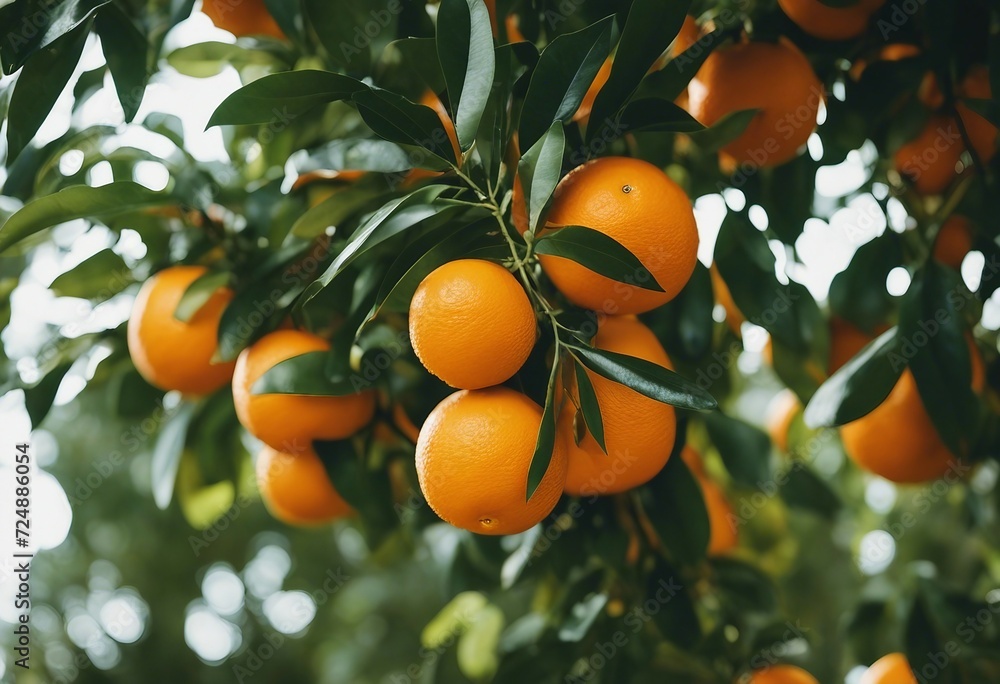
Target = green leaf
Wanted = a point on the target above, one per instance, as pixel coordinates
(590, 407)
(39, 85)
(933, 329)
(670, 81)
(279, 99)
(582, 616)
(804, 489)
(646, 378)
(675, 495)
(367, 489)
(598, 252)
(658, 115)
(465, 50)
(675, 615)
(167, 453)
(512, 62)
(545, 443)
(336, 25)
(305, 375)
(38, 398)
(210, 58)
(540, 169)
(99, 277)
(744, 586)
(254, 312)
(126, 49)
(565, 70)
(745, 449)
(31, 25)
(859, 386)
(858, 293)
(649, 29)
(198, 293)
(78, 201)
(685, 323)
(395, 118)
(477, 646)
(406, 212)
(357, 154)
(344, 203)
(724, 131)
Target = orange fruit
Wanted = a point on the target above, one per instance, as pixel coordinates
(782, 674)
(830, 23)
(775, 78)
(846, 340)
(290, 422)
(781, 413)
(734, 317)
(491, 7)
(889, 669)
(635, 203)
(982, 134)
(954, 241)
(513, 26)
(472, 460)
(929, 161)
(686, 37)
(242, 17)
(471, 323)
(723, 536)
(638, 431)
(296, 488)
(583, 111)
(897, 440)
(172, 354)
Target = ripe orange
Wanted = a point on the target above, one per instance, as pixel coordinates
(734, 317)
(775, 78)
(471, 323)
(723, 535)
(898, 440)
(781, 413)
(635, 203)
(890, 669)
(171, 354)
(686, 37)
(830, 23)
(290, 422)
(929, 161)
(296, 488)
(242, 17)
(638, 431)
(583, 111)
(982, 133)
(954, 241)
(782, 674)
(473, 456)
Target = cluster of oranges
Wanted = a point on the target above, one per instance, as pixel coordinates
(893, 668)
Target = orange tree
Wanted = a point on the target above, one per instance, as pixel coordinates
(449, 270)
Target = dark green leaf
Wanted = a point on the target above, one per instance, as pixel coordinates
(804, 489)
(685, 324)
(98, 277)
(649, 30)
(590, 407)
(306, 375)
(39, 85)
(540, 169)
(745, 449)
(933, 334)
(675, 615)
(565, 70)
(745, 587)
(126, 49)
(198, 293)
(368, 490)
(675, 495)
(38, 398)
(344, 203)
(254, 312)
(31, 25)
(512, 61)
(465, 49)
(78, 201)
(598, 252)
(862, 384)
(279, 99)
(395, 118)
(858, 293)
(724, 131)
(655, 114)
(340, 29)
(646, 378)
(167, 453)
(670, 81)
(545, 443)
